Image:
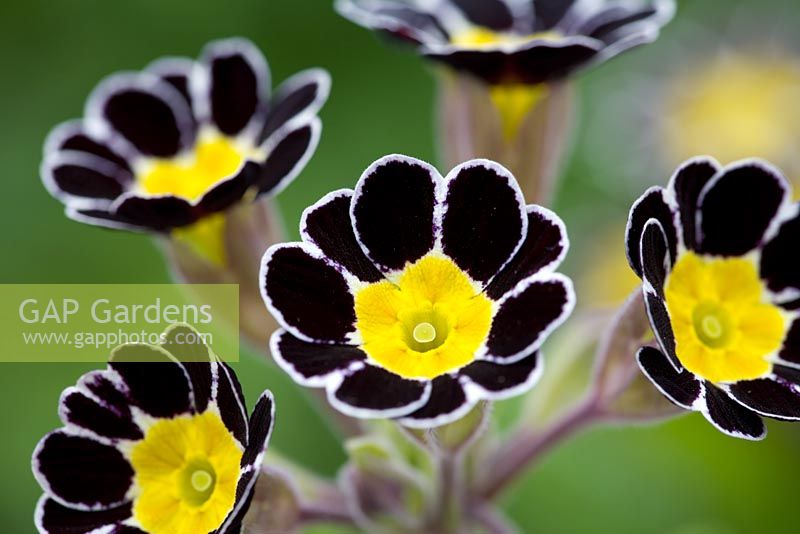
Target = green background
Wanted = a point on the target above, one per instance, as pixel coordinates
(680, 477)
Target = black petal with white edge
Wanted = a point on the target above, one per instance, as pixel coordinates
(88, 467)
(453, 274)
(182, 140)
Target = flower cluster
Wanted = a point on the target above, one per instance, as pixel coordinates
(500, 41)
(716, 251)
(415, 296)
(182, 140)
(162, 445)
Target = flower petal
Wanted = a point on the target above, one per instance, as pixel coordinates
(686, 185)
(791, 344)
(54, 518)
(737, 207)
(544, 248)
(730, 417)
(312, 364)
(448, 402)
(297, 99)
(230, 400)
(485, 219)
(160, 214)
(81, 472)
(662, 326)
(393, 210)
(604, 25)
(176, 71)
(154, 381)
(289, 150)
(306, 294)
(73, 176)
(375, 392)
(651, 205)
(494, 14)
(260, 425)
(402, 21)
(780, 262)
(526, 316)
(547, 15)
(196, 358)
(489, 380)
(682, 388)
(87, 412)
(327, 225)
(772, 397)
(238, 82)
(654, 258)
(148, 112)
(75, 136)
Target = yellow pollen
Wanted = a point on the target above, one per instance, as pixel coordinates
(201, 480)
(424, 333)
(725, 328)
(430, 322)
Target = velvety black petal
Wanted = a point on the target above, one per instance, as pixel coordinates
(298, 98)
(534, 63)
(682, 388)
(148, 112)
(527, 315)
(104, 386)
(74, 136)
(548, 13)
(307, 295)
(81, 471)
(393, 210)
(737, 206)
(101, 419)
(447, 402)
(401, 21)
(780, 260)
(485, 219)
(375, 392)
(791, 344)
(497, 381)
(786, 375)
(238, 83)
(651, 205)
(311, 364)
(230, 401)
(183, 342)
(157, 213)
(244, 497)
(288, 152)
(76, 174)
(102, 217)
(544, 247)
(605, 24)
(771, 397)
(54, 518)
(177, 72)
(662, 327)
(155, 382)
(494, 14)
(260, 426)
(327, 225)
(731, 417)
(654, 258)
(686, 185)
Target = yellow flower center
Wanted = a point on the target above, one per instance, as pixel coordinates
(725, 329)
(191, 175)
(429, 323)
(479, 37)
(186, 471)
(736, 107)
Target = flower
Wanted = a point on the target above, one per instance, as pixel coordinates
(527, 43)
(182, 140)
(716, 251)
(416, 296)
(160, 446)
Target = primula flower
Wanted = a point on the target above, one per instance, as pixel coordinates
(717, 252)
(159, 446)
(183, 140)
(502, 42)
(416, 296)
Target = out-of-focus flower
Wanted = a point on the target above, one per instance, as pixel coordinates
(174, 146)
(717, 252)
(736, 105)
(415, 296)
(159, 446)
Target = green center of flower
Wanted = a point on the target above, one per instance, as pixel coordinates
(712, 324)
(197, 482)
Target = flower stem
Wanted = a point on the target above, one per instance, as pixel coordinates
(526, 447)
(449, 509)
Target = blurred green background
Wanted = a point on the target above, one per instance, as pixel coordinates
(678, 477)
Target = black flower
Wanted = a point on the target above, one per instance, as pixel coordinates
(181, 140)
(717, 252)
(161, 446)
(415, 296)
(502, 42)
